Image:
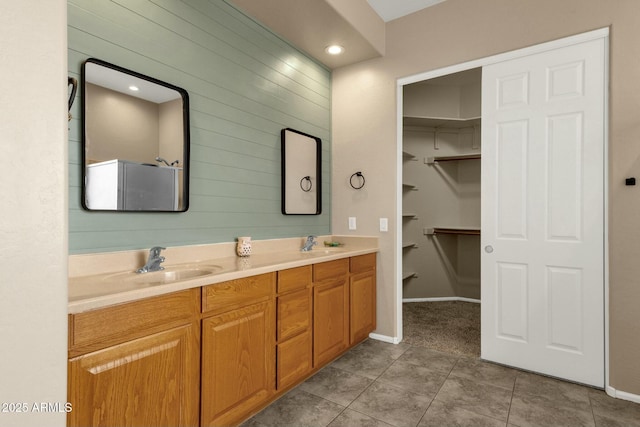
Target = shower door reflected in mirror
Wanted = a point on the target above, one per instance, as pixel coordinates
(136, 141)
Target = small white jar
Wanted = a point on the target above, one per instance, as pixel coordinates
(244, 246)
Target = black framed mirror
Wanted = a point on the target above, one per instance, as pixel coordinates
(135, 141)
(301, 173)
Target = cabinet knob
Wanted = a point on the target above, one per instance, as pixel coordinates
(488, 249)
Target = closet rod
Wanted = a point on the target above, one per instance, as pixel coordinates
(460, 231)
(431, 160)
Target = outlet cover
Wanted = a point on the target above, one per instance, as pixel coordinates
(352, 223)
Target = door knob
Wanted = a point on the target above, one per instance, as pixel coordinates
(488, 249)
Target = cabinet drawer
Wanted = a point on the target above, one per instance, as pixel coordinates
(101, 328)
(294, 278)
(330, 269)
(293, 359)
(233, 294)
(363, 263)
(294, 313)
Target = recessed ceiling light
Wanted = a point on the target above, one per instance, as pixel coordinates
(134, 88)
(334, 49)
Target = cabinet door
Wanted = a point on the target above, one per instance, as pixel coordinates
(150, 381)
(362, 291)
(330, 320)
(238, 362)
(294, 359)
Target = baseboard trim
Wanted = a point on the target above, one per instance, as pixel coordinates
(477, 301)
(622, 395)
(384, 338)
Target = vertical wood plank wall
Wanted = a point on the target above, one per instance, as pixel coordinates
(245, 84)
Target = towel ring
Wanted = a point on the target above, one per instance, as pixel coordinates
(304, 188)
(359, 175)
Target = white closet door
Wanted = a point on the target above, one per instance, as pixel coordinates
(543, 212)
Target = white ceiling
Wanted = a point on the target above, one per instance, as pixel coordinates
(312, 25)
(392, 9)
(118, 81)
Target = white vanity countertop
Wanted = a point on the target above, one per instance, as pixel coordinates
(104, 279)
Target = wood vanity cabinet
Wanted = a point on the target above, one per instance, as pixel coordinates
(136, 363)
(215, 355)
(238, 348)
(362, 297)
(293, 328)
(330, 310)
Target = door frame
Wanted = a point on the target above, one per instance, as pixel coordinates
(602, 33)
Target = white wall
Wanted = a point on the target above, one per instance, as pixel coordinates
(446, 195)
(456, 31)
(33, 223)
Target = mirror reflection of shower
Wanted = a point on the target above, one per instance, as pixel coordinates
(145, 132)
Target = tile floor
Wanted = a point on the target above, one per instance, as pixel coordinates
(378, 384)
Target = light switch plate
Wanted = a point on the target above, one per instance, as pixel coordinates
(384, 224)
(352, 223)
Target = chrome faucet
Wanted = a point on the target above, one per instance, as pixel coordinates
(309, 244)
(154, 261)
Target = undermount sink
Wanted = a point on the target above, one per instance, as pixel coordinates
(325, 251)
(169, 275)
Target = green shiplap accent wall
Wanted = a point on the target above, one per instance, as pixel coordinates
(245, 84)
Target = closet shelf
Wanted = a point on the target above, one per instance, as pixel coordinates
(464, 231)
(406, 186)
(473, 156)
(408, 156)
(441, 122)
(409, 216)
(409, 245)
(406, 276)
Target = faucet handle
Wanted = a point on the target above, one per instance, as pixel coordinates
(155, 251)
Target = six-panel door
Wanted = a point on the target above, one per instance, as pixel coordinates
(543, 212)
